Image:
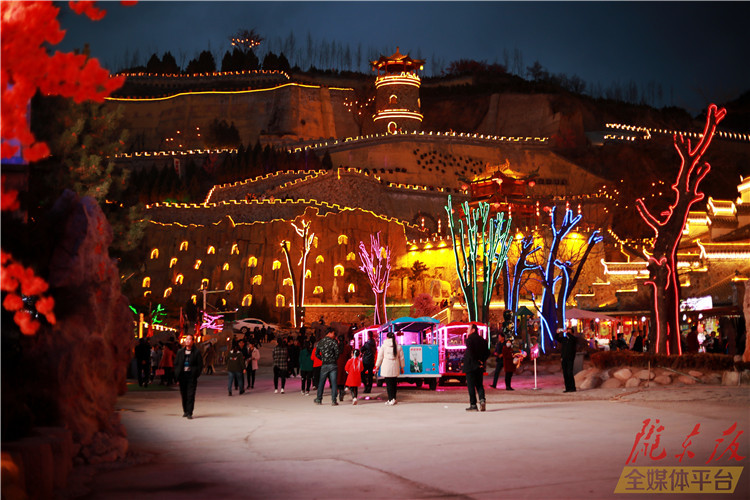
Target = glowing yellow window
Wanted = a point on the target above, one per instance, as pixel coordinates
(343, 239)
(167, 292)
(350, 288)
(315, 242)
(183, 246)
(382, 252)
(193, 299)
(308, 273)
(178, 280)
(204, 283)
(280, 300)
(319, 259)
(276, 265)
(235, 250)
(247, 300)
(225, 267)
(211, 250)
(257, 279)
(198, 263)
(147, 293)
(229, 286)
(318, 289)
(338, 270)
(155, 253)
(146, 282)
(287, 281)
(252, 262)
(172, 262)
(351, 256)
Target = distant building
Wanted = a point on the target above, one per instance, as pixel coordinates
(397, 101)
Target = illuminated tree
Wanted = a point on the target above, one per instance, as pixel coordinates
(298, 284)
(492, 237)
(27, 68)
(376, 263)
(558, 268)
(246, 40)
(668, 227)
(512, 286)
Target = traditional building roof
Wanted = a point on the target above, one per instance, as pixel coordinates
(397, 62)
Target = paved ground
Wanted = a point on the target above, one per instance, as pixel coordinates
(528, 444)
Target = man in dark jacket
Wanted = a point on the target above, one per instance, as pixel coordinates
(568, 343)
(475, 356)
(188, 366)
(327, 351)
(369, 351)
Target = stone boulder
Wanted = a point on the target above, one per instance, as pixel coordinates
(695, 373)
(711, 378)
(633, 382)
(622, 374)
(593, 381)
(684, 379)
(612, 383)
(89, 348)
(645, 375)
(663, 380)
(730, 378)
(584, 374)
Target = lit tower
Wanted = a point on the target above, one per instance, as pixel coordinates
(397, 102)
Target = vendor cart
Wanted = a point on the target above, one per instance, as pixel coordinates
(451, 348)
(418, 339)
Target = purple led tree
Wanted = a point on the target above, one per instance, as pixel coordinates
(376, 263)
(495, 240)
(553, 309)
(298, 285)
(668, 226)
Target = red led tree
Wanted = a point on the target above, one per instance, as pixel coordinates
(668, 226)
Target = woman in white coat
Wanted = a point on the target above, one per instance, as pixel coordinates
(391, 364)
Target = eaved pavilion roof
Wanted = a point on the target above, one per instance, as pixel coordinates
(397, 61)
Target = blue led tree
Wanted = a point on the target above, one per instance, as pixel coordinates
(480, 233)
(558, 270)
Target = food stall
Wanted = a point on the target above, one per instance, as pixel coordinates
(451, 347)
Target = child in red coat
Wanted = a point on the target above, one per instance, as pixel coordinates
(354, 374)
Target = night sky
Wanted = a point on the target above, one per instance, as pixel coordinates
(698, 51)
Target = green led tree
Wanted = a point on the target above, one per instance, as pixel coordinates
(482, 242)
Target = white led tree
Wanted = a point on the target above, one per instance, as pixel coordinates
(376, 263)
(298, 284)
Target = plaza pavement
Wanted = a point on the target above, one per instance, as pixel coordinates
(528, 444)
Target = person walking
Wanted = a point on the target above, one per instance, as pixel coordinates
(317, 363)
(155, 358)
(280, 365)
(306, 366)
(391, 364)
(568, 343)
(235, 369)
(253, 355)
(143, 361)
(188, 367)
(499, 360)
(167, 364)
(209, 358)
(294, 349)
(368, 362)
(508, 365)
(327, 351)
(345, 352)
(354, 374)
(475, 356)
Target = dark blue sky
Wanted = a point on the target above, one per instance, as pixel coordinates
(698, 51)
